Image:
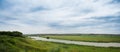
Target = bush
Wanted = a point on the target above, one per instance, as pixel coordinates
(13, 33)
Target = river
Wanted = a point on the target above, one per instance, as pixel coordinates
(78, 42)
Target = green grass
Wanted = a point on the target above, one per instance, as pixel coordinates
(19, 44)
(89, 38)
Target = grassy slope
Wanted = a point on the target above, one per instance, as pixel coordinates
(90, 38)
(18, 44)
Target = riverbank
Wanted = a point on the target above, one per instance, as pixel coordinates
(20, 44)
(78, 42)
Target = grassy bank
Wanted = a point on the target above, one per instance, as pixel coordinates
(89, 38)
(20, 44)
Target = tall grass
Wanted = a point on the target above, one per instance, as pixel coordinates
(20, 44)
(89, 38)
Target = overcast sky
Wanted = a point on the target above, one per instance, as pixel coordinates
(60, 16)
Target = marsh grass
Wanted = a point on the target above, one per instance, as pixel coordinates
(20, 44)
(89, 38)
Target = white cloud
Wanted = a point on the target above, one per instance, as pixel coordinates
(59, 12)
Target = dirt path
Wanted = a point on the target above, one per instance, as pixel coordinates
(79, 42)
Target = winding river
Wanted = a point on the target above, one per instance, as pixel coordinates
(78, 42)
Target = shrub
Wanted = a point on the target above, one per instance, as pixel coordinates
(13, 33)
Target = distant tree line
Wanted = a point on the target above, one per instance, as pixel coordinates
(80, 34)
(11, 33)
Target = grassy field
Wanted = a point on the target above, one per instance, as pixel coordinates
(19, 44)
(89, 38)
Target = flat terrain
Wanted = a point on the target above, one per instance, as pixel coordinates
(19, 44)
(97, 44)
(88, 38)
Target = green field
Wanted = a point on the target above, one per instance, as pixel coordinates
(20, 44)
(88, 38)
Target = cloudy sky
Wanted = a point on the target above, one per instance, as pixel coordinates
(60, 16)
